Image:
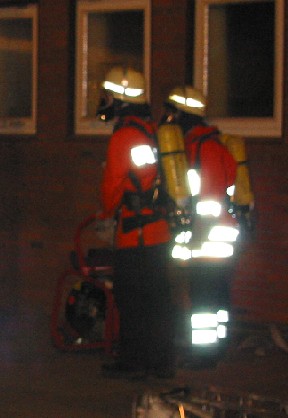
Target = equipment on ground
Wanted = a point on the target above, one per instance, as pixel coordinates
(206, 402)
(84, 314)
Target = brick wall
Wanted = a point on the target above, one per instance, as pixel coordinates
(50, 183)
(261, 280)
(168, 50)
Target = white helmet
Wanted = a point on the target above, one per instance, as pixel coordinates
(188, 100)
(127, 85)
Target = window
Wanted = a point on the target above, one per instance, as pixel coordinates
(239, 64)
(109, 33)
(18, 70)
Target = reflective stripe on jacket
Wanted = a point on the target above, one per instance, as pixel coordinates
(218, 167)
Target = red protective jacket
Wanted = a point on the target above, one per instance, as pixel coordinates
(116, 182)
(218, 166)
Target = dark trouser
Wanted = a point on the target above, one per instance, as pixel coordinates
(210, 286)
(142, 294)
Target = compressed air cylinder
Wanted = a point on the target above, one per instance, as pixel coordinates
(173, 161)
(243, 195)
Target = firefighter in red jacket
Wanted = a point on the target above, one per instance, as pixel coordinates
(207, 245)
(186, 106)
(221, 157)
(131, 194)
(212, 172)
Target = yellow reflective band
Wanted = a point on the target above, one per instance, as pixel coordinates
(180, 252)
(177, 99)
(193, 103)
(222, 316)
(204, 320)
(214, 250)
(209, 207)
(194, 181)
(183, 237)
(133, 92)
(204, 336)
(223, 233)
(116, 88)
(230, 190)
(221, 331)
(120, 89)
(186, 101)
(143, 154)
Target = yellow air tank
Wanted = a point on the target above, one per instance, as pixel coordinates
(173, 162)
(243, 195)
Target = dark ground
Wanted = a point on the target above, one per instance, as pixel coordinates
(54, 384)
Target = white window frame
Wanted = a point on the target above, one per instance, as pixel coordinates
(90, 126)
(248, 127)
(24, 125)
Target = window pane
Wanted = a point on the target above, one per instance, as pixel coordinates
(109, 33)
(18, 58)
(114, 38)
(241, 72)
(15, 67)
(239, 62)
